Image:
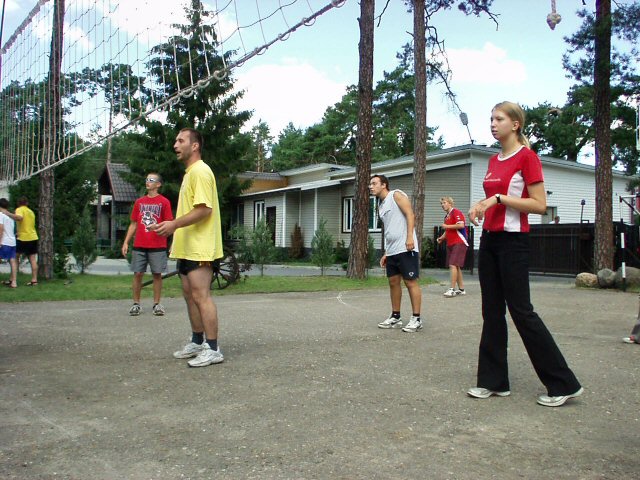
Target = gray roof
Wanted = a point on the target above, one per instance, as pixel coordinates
(121, 190)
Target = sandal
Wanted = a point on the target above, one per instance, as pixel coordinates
(32, 284)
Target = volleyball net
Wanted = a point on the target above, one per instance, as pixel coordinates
(122, 61)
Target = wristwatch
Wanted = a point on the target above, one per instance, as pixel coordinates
(498, 198)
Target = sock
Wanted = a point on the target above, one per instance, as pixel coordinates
(417, 316)
(213, 343)
(197, 337)
(461, 289)
(395, 315)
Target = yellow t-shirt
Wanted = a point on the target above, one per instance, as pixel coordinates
(202, 240)
(26, 231)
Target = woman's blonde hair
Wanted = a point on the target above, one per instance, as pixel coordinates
(447, 199)
(515, 113)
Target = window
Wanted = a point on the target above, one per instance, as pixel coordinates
(258, 211)
(375, 225)
(237, 220)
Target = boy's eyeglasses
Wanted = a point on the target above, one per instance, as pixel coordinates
(152, 180)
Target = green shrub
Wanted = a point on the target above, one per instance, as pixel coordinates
(255, 246)
(341, 252)
(322, 251)
(428, 253)
(83, 243)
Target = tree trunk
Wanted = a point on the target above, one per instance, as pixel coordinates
(360, 227)
(53, 133)
(420, 146)
(45, 225)
(602, 102)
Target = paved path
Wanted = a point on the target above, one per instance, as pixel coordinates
(311, 389)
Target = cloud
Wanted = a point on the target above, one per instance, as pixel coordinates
(490, 65)
(12, 6)
(291, 91)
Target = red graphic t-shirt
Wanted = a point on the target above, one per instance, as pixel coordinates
(149, 211)
(510, 176)
(455, 236)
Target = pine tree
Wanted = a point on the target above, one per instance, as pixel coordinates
(261, 245)
(83, 243)
(322, 251)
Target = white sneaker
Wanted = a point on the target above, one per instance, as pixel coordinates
(207, 357)
(135, 310)
(450, 293)
(414, 325)
(479, 392)
(390, 322)
(158, 310)
(190, 350)
(547, 401)
(460, 292)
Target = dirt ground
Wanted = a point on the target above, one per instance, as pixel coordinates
(311, 389)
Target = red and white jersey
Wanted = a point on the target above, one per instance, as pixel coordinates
(148, 211)
(510, 176)
(455, 236)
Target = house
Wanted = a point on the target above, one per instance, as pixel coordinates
(115, 199)
(305, 195)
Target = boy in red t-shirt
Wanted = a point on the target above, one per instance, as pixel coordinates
(149, 248)
(455, 234)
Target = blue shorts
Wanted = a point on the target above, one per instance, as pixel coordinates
(7, 252)
(406, 264)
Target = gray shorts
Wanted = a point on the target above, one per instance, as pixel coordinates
(156, 259)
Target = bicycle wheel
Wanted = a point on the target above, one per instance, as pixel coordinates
(225, 271)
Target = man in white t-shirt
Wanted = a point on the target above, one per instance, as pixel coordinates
(8, 243)
(401, 256)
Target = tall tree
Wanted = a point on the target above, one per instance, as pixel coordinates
(423, 11)
(53, 131)
(290, 149)
(211, 108)
(602, 94)
(420, 150)
(563, 131)
(261, 142)
(359, 231)
(607, 76)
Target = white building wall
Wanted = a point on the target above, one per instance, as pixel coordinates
(447, 177)
(569, 187)
(307, 216)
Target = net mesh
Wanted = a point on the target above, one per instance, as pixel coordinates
(113, 73)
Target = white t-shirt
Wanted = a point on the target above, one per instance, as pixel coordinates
(9, 231)
(395, 226)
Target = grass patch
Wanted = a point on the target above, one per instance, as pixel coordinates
(118, 287)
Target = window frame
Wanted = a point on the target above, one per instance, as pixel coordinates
(347, 214)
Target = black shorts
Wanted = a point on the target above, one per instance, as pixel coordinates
(406, 264)
(27, 248)
(184, 266)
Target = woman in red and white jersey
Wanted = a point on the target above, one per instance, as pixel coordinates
(514, 188)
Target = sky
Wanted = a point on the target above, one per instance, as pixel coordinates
(296, 80)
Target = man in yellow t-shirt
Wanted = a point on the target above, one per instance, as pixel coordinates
(197, 242)
(27, 237)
